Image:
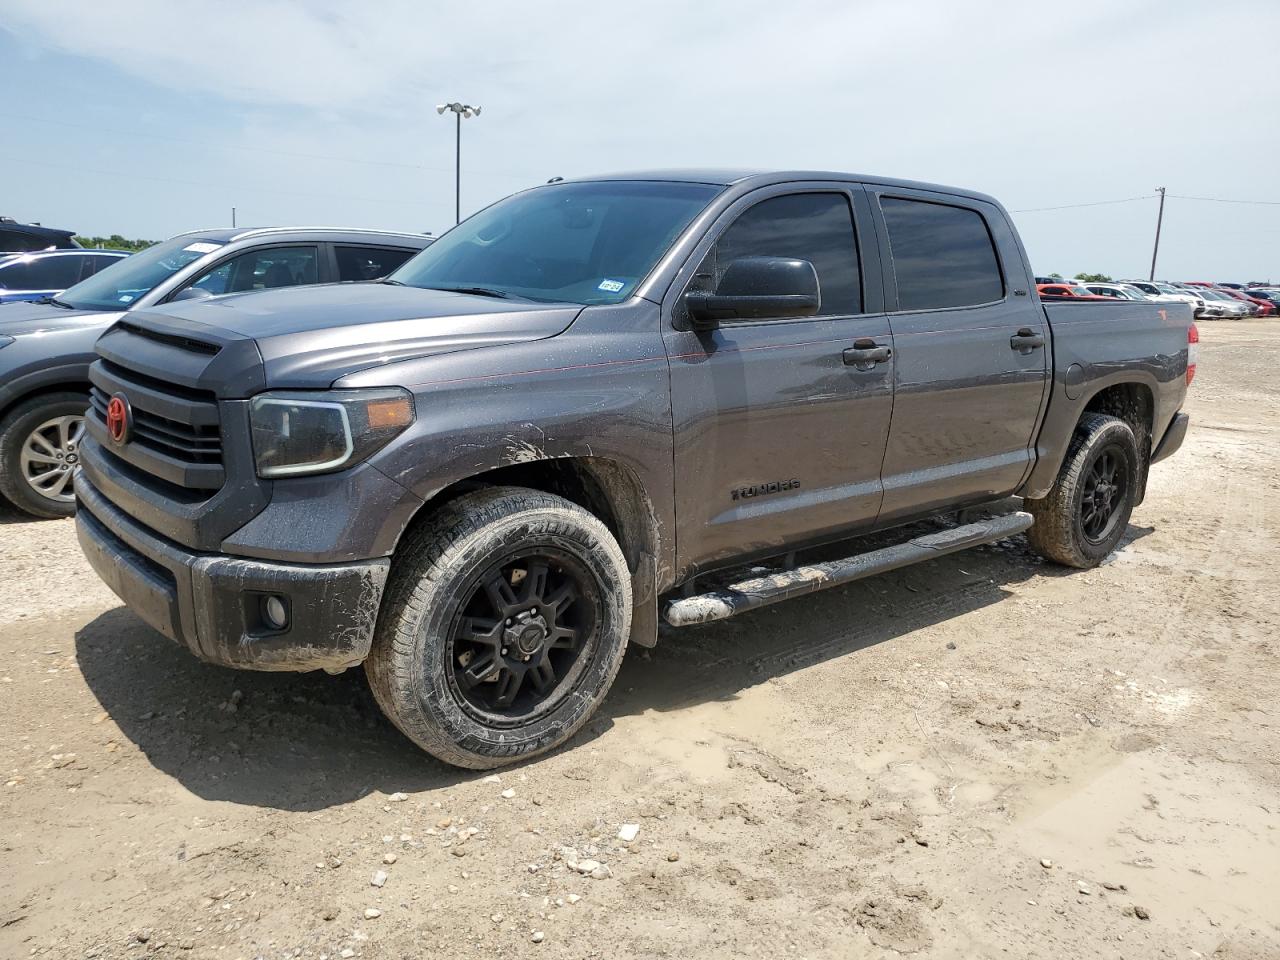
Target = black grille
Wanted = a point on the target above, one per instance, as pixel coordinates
(175, 435)
(182, 441)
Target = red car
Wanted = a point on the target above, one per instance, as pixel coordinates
(1265, 307)
(1071, 290)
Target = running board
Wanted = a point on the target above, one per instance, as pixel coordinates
(762, 591)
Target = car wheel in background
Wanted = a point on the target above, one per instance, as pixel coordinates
(39, 450)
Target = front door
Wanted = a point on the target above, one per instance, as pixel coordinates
(779, 426)
(971, 346)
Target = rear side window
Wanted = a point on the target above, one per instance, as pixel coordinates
(42, 273)
(942, 255)
(817, 227)
(368, 263)
(15, 241)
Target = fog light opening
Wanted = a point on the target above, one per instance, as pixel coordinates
(275, 613)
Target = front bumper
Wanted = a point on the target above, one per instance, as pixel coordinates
(213, 603)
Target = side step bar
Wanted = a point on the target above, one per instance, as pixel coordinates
(762, 591)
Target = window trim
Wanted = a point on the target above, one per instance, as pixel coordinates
(890, 267)
(865, 249)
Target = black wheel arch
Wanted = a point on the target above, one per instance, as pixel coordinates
(608, 490)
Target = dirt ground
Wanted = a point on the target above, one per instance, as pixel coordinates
(984, 756)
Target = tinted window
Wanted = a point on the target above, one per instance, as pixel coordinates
(591, 242)
(368, 263)
(41, 273)
(942, 255)
(15, 241)
(262, 269)
(817, 227)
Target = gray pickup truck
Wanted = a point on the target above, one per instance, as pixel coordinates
(578, 411)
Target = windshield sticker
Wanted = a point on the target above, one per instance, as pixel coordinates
(611, 286)
(201, 247)
(127, 298)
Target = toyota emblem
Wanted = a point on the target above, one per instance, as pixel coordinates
(119, 419)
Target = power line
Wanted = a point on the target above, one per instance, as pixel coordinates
(1093, 203)
(221, 145)
(1265, 203)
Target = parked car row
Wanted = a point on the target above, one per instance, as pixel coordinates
(1210, 301)
(46, 346)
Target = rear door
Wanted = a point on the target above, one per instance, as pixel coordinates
(779, 435)
(971, 349)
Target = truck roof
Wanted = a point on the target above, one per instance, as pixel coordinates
(749, 179)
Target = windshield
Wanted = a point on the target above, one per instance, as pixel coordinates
(1080, 292)
(576, 242)
(1133, 292)
(1165, 288)
(119, 285)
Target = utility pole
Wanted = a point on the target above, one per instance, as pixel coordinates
(233, 217)
(1159, 221)
(459, 110)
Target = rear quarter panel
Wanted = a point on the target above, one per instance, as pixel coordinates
(1097, 345)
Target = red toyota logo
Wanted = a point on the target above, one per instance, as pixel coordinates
(119, 418)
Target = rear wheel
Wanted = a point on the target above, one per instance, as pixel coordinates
(1085, 514)
(504, 623)
(39, 449)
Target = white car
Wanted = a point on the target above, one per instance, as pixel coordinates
(1232, 309)
(1159, 290)
(1117, 291)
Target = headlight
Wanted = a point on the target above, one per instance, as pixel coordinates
(317, 432)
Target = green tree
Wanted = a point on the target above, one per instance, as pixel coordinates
(1093, 277)
(114, 242)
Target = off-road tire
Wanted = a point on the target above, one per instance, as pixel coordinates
(14, 430)
(408, 664)
(1058, 532)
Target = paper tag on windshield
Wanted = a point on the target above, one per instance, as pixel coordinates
(201, 247)
(611, 286)
(126, 298)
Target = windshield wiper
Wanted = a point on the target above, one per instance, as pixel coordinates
(56, 302)
(478, 291)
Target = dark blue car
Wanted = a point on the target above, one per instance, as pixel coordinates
(37, 276)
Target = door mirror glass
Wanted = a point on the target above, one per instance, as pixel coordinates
(757, 288)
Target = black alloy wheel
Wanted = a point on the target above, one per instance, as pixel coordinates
(522, 635)
(1106, 487)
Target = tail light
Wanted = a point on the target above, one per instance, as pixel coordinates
(1193, 351)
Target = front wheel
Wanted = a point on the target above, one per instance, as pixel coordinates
(39, 449)
(1085, 514)
(504, 624)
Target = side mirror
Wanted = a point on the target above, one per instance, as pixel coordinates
(757, 288)
(192, 293)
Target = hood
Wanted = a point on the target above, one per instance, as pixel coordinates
(312, 336)
(20, 318)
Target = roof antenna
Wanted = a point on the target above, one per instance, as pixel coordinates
(556, 180)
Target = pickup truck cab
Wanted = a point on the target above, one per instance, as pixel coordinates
(583, 409)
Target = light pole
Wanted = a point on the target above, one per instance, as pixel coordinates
(460, 110)
(1159, 220)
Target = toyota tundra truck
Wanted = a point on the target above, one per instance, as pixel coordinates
(580, 411)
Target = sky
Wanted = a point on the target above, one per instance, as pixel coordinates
(148, 117)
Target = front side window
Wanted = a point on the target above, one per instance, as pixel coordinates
(262, 269)
(587, 243)
(118, 286)
(817, 227)
(943, 255)
(368, 263)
